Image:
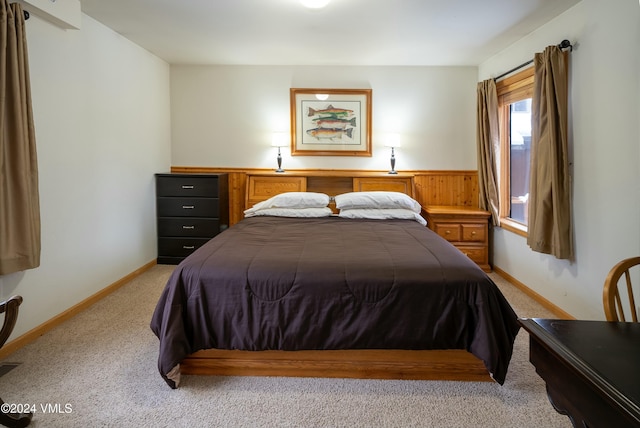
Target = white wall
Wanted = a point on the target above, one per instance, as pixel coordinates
(225, 115)
(102, 120)
(605, 147)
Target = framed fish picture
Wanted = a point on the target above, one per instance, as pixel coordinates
(331, 122)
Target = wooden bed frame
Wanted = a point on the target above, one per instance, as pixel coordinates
(455, 364)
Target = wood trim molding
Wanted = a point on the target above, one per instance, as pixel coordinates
(515, 82)
(513, 226)
(38, 331)
(559, 313)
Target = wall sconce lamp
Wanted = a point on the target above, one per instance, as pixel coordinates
(280, 139)
(393, 141)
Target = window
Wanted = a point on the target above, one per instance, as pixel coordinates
(514, 103)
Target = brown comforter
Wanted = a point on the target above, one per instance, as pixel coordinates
(330, 283)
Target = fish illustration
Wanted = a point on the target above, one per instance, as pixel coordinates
(331, 111)
(329, 133)
(330, 122)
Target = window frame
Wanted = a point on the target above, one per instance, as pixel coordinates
(514, 88)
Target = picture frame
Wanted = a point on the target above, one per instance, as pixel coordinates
(330, 122)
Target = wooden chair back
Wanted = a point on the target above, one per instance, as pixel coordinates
(10, 309)
(613, 308)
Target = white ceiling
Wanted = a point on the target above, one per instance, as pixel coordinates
(346, 32)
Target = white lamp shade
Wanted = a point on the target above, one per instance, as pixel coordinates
(392, 140)
(280, 139)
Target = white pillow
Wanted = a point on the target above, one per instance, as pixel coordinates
(379, 199)
(291, 212)
(293, 200)
(383, 214)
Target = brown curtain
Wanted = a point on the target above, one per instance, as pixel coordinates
(550, 225)
(19, 200)
(488, 142)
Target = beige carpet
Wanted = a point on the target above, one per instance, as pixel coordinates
(99, 370)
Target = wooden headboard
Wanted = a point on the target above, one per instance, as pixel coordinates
(261, 187)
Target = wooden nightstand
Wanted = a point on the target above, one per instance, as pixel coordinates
(466, 228)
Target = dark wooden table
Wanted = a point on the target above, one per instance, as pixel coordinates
(591, 368)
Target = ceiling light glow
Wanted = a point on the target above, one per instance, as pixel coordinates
(314, 4)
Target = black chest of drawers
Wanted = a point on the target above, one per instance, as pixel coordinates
(191, 209)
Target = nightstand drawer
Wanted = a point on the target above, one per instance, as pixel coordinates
(188, 207)
(449, 231)
(196, 186)
(188, 227)
(179, 247)
(477, 254)
(474, 232)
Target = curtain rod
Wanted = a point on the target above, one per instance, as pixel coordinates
(26, 15)
(563, 45)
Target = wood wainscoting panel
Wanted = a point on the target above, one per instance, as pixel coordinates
(453, 188)
(237, 196)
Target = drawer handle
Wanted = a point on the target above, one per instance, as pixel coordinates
(188, 187)
(188, 227)
(188, 247)
(188, 207)
(473, 233)
(447, 232)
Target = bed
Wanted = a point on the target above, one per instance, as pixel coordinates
(333, 296)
